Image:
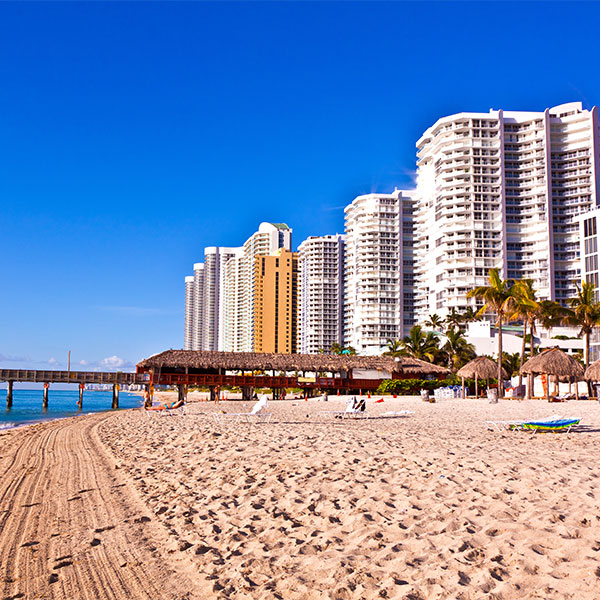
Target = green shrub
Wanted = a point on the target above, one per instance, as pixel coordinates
(412, 387)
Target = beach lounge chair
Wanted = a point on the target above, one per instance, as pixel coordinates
(356, 408)
(258, 414)
(554, 426)
(398, 413)
(170, 408)
(554, 423)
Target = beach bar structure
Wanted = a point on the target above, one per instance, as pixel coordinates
(310, 372)
(77, 377)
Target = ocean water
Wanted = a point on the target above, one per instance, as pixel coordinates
(27, 405)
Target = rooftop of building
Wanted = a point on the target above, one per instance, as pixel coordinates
(562, 110)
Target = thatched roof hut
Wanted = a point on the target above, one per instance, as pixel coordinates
(481, 367)
(258, 361)
(553, 362)
(592, 373)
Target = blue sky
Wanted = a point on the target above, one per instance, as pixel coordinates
(132, 135)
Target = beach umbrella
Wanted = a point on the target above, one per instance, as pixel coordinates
(553, 362)
(593, 371)
(481, 367)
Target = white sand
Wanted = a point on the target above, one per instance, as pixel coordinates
(428, 506)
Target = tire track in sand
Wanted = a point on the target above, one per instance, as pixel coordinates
(71, 524)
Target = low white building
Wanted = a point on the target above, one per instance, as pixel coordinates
(484, 337)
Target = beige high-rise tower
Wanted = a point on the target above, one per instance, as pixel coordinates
(275, 299)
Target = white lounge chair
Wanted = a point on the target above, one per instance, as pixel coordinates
(398, 413)
(258, 414)
(355, 409)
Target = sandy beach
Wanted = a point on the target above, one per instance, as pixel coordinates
(433, 505)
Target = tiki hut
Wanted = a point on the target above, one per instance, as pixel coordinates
(553, 362)
(249, 369)
(592, 373)
(196, 360)
(481, 367)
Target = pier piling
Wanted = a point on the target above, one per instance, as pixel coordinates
(45, 399)
(9, 394)
(115, 398)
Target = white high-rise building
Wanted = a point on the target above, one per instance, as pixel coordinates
(198, 307)
(189, 313)
(589, 234)
(378, 295)
(501, 190)
(321, 293)
(219, 311)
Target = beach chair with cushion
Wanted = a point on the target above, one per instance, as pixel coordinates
(554, 426)
(554, 423)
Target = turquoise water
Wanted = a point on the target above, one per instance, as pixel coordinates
(27, 405)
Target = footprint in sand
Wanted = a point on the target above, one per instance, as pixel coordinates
(64, 563)
(101, 529)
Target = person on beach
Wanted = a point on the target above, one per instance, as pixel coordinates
(147, 399)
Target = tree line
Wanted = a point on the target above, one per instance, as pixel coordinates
(510, 301)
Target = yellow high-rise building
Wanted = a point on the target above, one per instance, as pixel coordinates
(275, 298)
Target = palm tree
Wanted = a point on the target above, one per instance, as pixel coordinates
(394, 348)
(418, 344)
(584, 313)
(470, 315)
(336, 348)
(349, 350)
(458, 350)
(549, 315)
(526, 308)
(511, 363)
(435, 322)
(454, 318)
(497, 297)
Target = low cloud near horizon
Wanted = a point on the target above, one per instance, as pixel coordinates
(115, 362)
(9, 358)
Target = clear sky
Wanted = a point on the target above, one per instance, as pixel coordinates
(132, 135)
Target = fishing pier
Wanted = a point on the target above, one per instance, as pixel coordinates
(76, 377)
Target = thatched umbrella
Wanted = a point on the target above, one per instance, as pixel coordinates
(593, 371)
(553, 362)
(481, 367)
